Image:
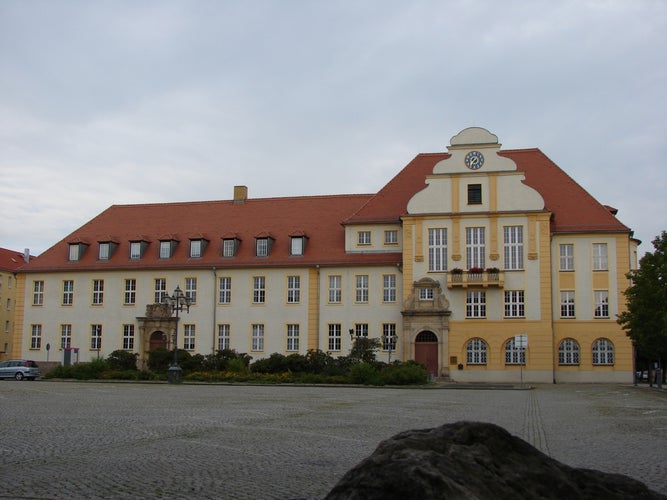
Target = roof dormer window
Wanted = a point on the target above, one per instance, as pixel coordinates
(298, 245)
(197, 247)
(167, 248)
(263, 246)
(230, 246)
(76, 251)
(106, 249)
(137, 249)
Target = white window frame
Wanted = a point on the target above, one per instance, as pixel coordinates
(196, 247)
(515, 306)
(293, 289)
(128, 337)
(391, 237)
(601, 298)
(600, 257)
(335, 289)
(426, 293)
(224, 331)
(603, 352)
(361, 330)
(258, 290)
(292, 338)
(513, 247)
(130, 292)
(65, 336)
(189, 331)
(296, 245)
(98, 292)
(35, 337)
(191, 289)
(257, 337)
(95, 337)
(363, 238)
(334, 337)
(567, 304)
(38, 293)
(262, 247)
(437, 249)
(68, 292)
(389, 336)
(476, 352)
(135, 250)
(476, 304)
(475, 247)
(568, 352)
(229, 246)
(225, 290)
(104, 250)
(165, 249)
(566, 252)
(362, 288)
(389, 288)
(514, 355)
(160, 289)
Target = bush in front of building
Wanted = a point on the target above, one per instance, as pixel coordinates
(80, 371)
(121, 360)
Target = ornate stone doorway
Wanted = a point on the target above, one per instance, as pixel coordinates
(156, 330)
(426, 351)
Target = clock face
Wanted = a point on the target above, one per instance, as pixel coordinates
(474, 160)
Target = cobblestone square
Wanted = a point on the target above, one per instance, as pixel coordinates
(126, 440)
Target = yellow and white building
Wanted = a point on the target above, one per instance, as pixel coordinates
(483, 264)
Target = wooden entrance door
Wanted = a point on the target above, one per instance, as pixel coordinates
(158, 341)
(426, 351)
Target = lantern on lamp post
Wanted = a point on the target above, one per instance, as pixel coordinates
(178, 301)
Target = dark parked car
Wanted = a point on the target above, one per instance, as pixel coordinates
(19, 369)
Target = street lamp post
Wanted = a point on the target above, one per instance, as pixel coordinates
(177, 302)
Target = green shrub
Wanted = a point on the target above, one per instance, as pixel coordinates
(364, 373)
(161, 359)
(80, 371)
(122, 360)
(237, 365)
(406, 373)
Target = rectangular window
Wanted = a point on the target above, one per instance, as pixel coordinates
(601, 303)
(391, 237)
(364, 238)
(258, 290)
(334, 337)
(128, 337)
(65, 336)
(68, 292)
(335, 289)
(474, 194)
(98, 292)
(74, 253)
(426, 294)
(165, 249)
(293, 289)
(389, 288)
(475, 247)
(513, 239)
(37, 293)
(225, 290)
(389, 336)
(362, 288)
(189, 337)
(262, 247)
(229, 247)
(36, 337)
(437, 249)
(130, 294)
(191, 289)
(361, 330)
(103, 251)
(160, 290)
(195, 249)
(600, 257)
(567, 304)
(135, 250)
(95, 337)
(293, 338)
(514, 304)
(475, 304)
(296, 245)
(223, 337)
(566, 257)
(257, 337)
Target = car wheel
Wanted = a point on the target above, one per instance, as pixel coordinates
(19, 376)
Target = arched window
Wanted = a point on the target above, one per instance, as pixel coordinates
(603, 352)
(476, 352)
(514, 355)
(568, 352)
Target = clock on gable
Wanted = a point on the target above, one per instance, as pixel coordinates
(474, 160)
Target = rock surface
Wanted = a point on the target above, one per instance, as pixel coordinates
(473, 460)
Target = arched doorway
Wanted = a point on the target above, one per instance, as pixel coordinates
(158, 340)
(426, 351)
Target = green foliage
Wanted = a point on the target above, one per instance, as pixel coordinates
(365, 373)
(645, 320)
(364, 348)
(80, 371)
(221, 359)
(237, 365)
(161, 359)
(406, 373)
(122, 360)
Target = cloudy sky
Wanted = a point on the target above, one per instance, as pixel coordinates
(115, 102)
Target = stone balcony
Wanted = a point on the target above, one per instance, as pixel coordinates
(482, 279)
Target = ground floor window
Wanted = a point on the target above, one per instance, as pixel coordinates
(223, 337)
(189, 337)
(476, 352)
(95, 337)
(257, 338)
(292, 337)
(128, 337)
(475, 304)
(65, 336)
(603, 352)
(513, 354)
(334, 337)
(36, 337)
(568, 352)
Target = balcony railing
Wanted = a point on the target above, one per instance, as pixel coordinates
(483, 279)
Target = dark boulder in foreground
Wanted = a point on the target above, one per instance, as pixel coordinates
(472, 460)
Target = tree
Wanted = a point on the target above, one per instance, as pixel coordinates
(645, 320)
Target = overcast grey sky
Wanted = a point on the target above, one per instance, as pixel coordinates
(114, 102)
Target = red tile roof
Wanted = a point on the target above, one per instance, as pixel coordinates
(10, 260)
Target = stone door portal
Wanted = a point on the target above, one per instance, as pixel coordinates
(426, 352)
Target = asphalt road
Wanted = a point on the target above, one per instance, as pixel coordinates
(125, 440)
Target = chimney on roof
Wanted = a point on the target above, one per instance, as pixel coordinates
(26, 255)
(240, 194)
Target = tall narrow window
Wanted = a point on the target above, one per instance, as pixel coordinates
(191, 289)
(130, 294)
(37, 293)
(195, 249)
(258, 290)
(389, 288)
(475, 247)
(189, 337)
(476, 352)
(98, 292)
(362, 288)
(293, 289)
(229, 246)
(160, 290)
(36, 337)
(104, 251)
(601, 303)
(514, 304)
(293, 338)
(296, 245)
(165, 249)
(335, 289)
(334, 337)
(223, 337)
(600, 257)
(128, 337)
(95, 337)
(513, 239)
(566, 257)
(257, 337)
(262, 247)
(225, 290)
(68, 292)
(389, 336)
(65, 336)
(475, 304)
(437, 249)
(135, 250)
(567, 304)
